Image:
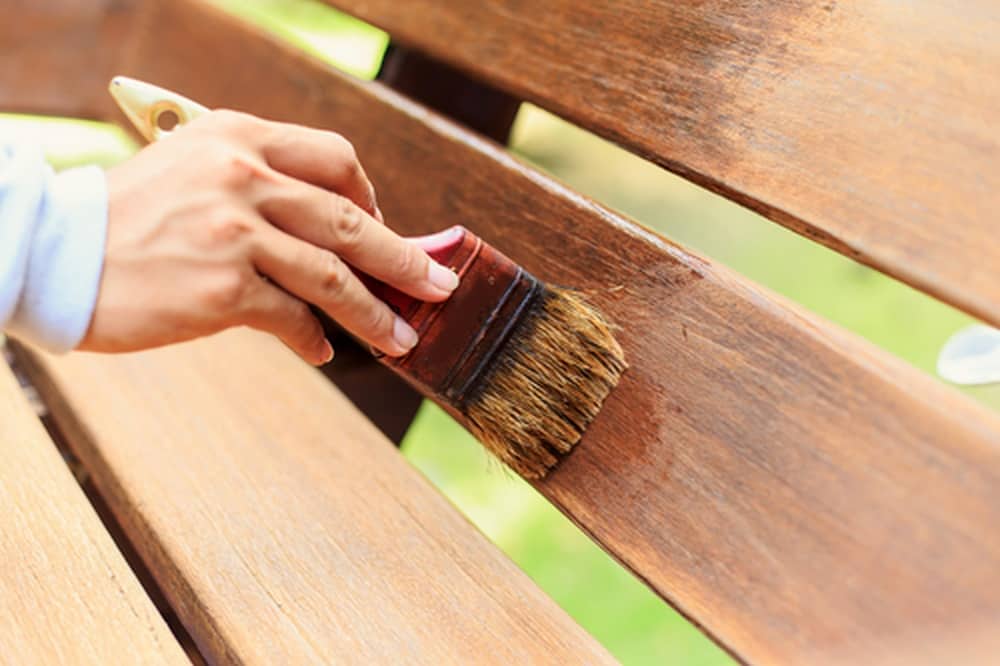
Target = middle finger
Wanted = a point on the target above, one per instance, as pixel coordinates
(335, 223)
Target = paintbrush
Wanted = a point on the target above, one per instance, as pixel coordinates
(524, 365)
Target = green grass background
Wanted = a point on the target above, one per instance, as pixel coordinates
(611, 604)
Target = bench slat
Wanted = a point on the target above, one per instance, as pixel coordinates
(869, 127)
(282, 526)
(67, 595)
(795, 491)
(58, 56)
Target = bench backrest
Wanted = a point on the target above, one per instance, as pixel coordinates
(799, 494)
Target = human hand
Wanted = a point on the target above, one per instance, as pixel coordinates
(237, 221)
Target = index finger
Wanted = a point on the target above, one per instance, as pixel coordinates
(334, 223)
(324, 159)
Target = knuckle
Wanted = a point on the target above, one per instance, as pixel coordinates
(353, 170)
(299, 312)
(411, 264)
(236, 170)
(347, 222)
(379, 323)
(334, 276)
(303, 323)
(345, 148)
(349, 162)
(227, 291)
(228, 120)
(227, 228)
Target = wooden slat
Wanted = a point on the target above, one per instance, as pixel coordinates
(868, 126)
(57, 56)
(451, 93)
(282, 526)
(66, 594)
(793, 490)
(386, 399)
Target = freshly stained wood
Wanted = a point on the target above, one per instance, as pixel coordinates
(282, 526)
(66, 594)
(867, 126)
(798, 493)
(57, 56)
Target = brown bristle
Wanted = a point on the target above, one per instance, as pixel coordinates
(547, 384)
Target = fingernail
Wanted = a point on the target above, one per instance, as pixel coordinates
(404, 335)
(326, 352)
(438, 241)
(441, 277)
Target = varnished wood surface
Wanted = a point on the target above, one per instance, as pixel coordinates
(798, 493)
(57, 56)
(868, 126)
(66, 594)
(282, 526)
(386, 399)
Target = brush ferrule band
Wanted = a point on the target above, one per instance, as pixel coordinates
(492, 336)
(460, 338)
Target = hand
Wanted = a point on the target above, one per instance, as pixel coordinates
(238, 221)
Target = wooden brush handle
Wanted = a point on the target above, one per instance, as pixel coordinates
(460, 337)
(447, 248)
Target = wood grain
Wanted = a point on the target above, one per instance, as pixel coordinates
(869, 127)
(57, 56)
(68, 597)
(798, 493)
(282, 526)
(387, 400)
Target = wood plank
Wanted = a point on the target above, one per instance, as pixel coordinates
(386, 399)
(381, 395)
(869, 127)
(58, 56)
(798, 493)
(282, 526)
(68, 597)
(451, 93)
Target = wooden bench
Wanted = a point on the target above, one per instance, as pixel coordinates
(800, 495)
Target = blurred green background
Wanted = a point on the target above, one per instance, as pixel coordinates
(617, 609)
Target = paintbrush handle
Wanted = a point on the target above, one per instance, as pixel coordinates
(460, 337)
(146, 106)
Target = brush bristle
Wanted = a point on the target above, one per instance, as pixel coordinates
(547, 384)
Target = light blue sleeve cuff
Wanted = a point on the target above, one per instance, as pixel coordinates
(66, 260)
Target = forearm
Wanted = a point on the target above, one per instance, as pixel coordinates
(230, 221)
(52, 237)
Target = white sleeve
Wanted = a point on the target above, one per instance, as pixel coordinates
(52, 238)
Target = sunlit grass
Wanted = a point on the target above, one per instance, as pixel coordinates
(69, 142)
(353, 46)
